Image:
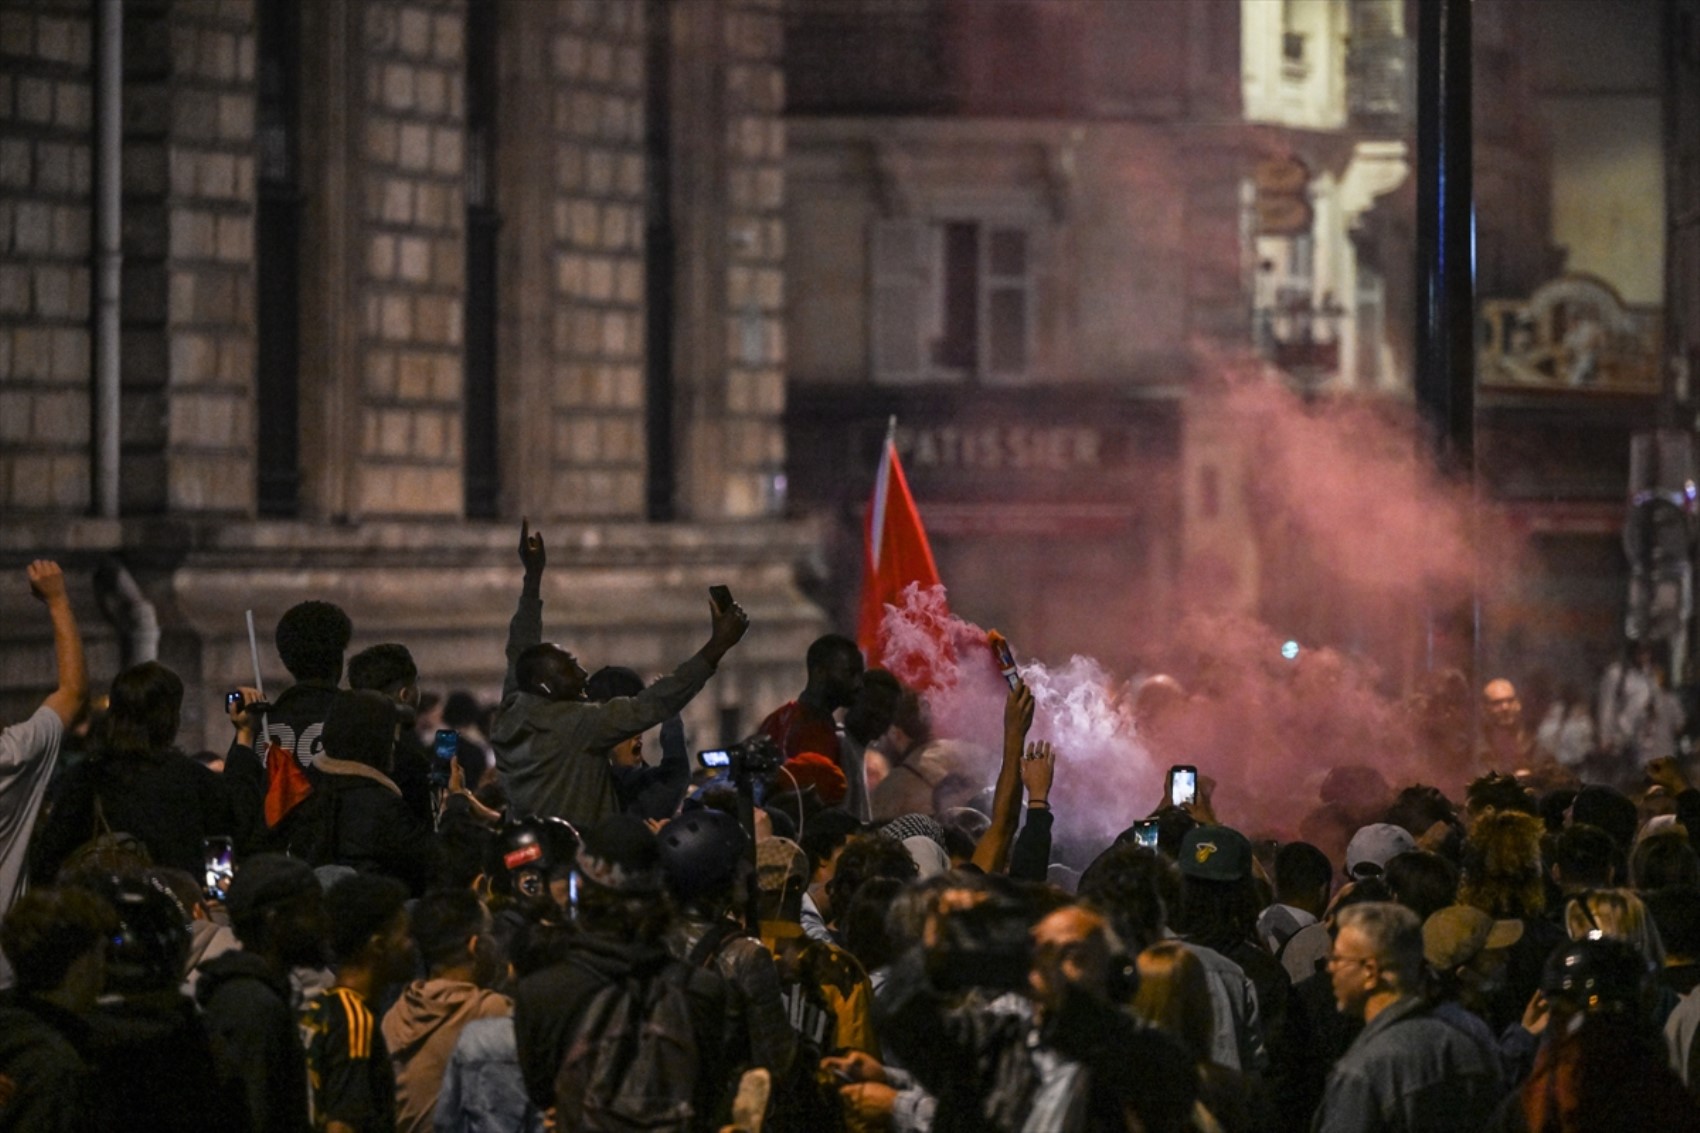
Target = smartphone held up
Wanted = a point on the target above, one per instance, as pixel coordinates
(220, 866)
(1183, 785)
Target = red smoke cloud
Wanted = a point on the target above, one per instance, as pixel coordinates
(1387, 539)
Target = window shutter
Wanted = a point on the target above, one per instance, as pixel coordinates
(1007, 318)
(898, 270)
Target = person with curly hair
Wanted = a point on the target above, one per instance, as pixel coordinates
(1502, 876)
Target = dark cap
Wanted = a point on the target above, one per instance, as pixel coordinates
(265, 880)
(622, 854)
(1215, 853)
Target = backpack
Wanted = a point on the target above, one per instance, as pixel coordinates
(632, 1063)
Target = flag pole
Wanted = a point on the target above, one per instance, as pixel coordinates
(882, 489)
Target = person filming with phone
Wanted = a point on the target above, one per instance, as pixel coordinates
(551, 740)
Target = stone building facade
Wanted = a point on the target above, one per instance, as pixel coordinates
(395, 274)
(1058, 223)
(1020, 219)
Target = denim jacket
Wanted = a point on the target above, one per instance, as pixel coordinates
(1410, 1072)
(483, 1091)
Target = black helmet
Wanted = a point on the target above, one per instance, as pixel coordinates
(149, 948)
(1599, 975)
(528, 852)
(701, 853)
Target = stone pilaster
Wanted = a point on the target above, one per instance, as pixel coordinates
(755, 277)
(188, 243)
(409, 136)
(596, 276)
(46, 109)
(729, 145)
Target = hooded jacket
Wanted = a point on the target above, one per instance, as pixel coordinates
(553, 753)
(549, 1003)
(250, 1019)
(421, 1031)
(42, 1059)
(208, 940)
(356, 817)
(154, 1067)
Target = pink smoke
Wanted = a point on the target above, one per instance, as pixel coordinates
(1380, 540)
(1105, 777)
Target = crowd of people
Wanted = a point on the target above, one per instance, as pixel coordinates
(380, 911)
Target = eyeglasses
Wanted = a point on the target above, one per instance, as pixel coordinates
(1335, 959)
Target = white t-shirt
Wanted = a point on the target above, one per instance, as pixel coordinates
(28, 753)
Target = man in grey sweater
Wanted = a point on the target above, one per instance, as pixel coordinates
(550, 740)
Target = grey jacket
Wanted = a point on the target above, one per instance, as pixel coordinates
(553, 753)
(1410, 1072)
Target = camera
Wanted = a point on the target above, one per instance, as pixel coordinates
(755, 757)
(233, 703)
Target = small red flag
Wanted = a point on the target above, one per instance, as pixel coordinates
(286, 783)
(895, 552)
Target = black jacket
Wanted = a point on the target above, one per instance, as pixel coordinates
(167, 800)
(250, 1022)
(356, 817)
(42, 1049)
(548, 1003)
(154, 1068)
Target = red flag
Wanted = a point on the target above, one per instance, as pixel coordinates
(286, 783)
(895, 552)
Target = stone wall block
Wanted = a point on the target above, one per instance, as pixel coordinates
(414, 151)
(70, 354)
(414, 38)
(447, 34)
(16, 163)
(14, 289)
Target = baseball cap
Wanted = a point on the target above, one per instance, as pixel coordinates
(265, 880)
(1215, 853)
(782, 872)
(1457, 934)
(778, 860)
(1374, 846)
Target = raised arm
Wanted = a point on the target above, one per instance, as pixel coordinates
(1031, 858)
(47, 583)
(526, 628)
(606, 724)
(726, 628)
(993, 850)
